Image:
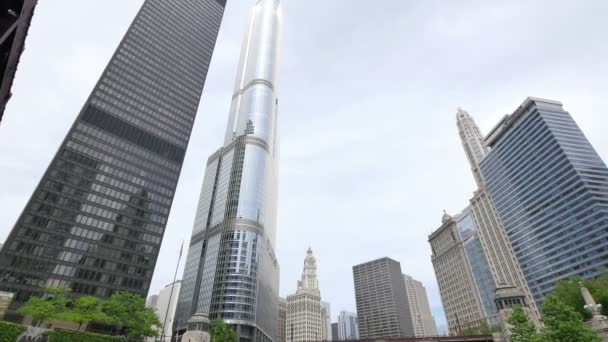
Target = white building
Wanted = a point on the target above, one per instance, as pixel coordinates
(326, 308)
(165, 299)
(348, 327)
(305, 318)
(424, 323)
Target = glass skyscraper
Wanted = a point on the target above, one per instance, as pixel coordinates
(231, 271)
(95, 221)
(550, 188)
(478, 263)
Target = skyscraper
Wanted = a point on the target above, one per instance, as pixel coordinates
(97, 218)
(327, 329)
(459, 294)
(478, 263)
(15, 18)
(231, 271)
(334, 332)
(382, 304)
(281, 332)
(348, 327)
(305, 315)
(499, 253)
(424, 323)
(164, 305)
(550, 189)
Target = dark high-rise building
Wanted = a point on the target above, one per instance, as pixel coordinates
(15, 18)
(383, 308)
(231, 271)
(97, 218)
(550, 189)
(335, 332)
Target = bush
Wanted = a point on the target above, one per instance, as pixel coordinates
(76, 336)
(9, 331)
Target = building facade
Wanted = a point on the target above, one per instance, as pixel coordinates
(348, 326)
(231, 270)
(164, 304)
(281, 332)
(382, 303)
(15, 18)
(497, 248)
(96, 220)
(478, 263)
(550, 189)
(422, 318)
(305, 315)
(459, 295)
(326, 308)
(334, 332)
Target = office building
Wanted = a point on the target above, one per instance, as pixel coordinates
(550, 189)
(164, 304)
(231, 270)
(499, 253)
(151, 302)
(15, 18)
(96, 220)
(382, 304)
(334, 332)
(305, 315)
(420, 310)
(326, 308)
(459, 295)
(348, 327)
(281, 332)
(478, 263)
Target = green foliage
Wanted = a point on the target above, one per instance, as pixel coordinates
(564, 323)
(76, 336)
(129, 310)
(569, 292)
(221, 332)
(522, 328)
(85, 310)
(482, 329)
(9, 331)
(53, 304)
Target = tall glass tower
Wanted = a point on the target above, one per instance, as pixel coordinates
(97, 218)
(231, 271)
(550, 188)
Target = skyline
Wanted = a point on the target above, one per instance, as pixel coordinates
(447, 174)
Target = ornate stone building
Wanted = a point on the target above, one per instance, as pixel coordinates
(305, 318)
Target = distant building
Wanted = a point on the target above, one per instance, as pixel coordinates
(334, 332)
(281, 333)
(15, 18)
(326, 307)
(305, 319)
(550, 189)
(382, 304)
(164, 304)
(152, 301)
(348, 327)
(424, 323)
(461, 301)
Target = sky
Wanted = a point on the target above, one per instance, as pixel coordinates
(370, 153)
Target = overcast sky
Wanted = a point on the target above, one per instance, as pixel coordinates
(369, 91)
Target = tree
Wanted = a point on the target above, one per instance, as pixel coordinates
(563, 323)
(129, 310)
(53, 304)
(569, 292)
(85, 310)
(522, 328)
(221, 332)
